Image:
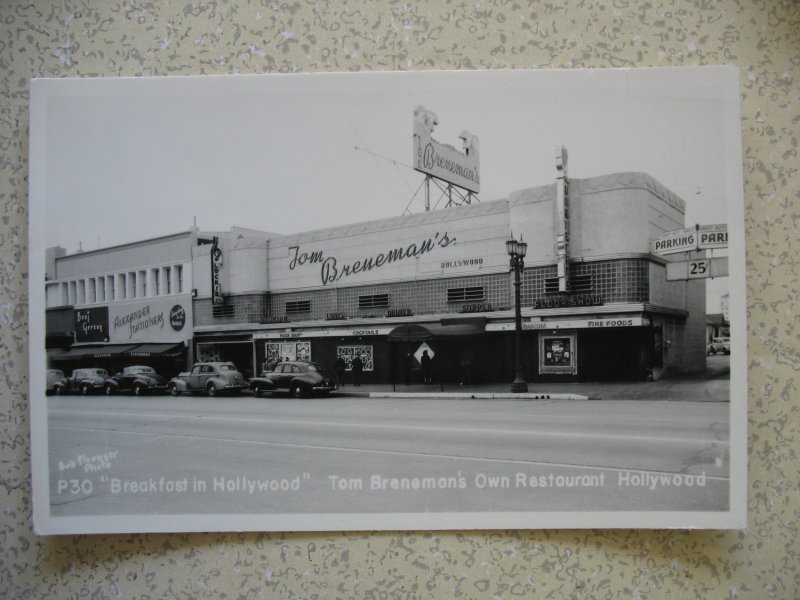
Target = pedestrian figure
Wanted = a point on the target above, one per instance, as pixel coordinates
(340, 367)
(425, 362)
(357, 365)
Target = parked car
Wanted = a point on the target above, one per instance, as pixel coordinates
(209, 377)
(138, 379)
(87, 381)
(720, 344)
(56, 382)
(298, 377)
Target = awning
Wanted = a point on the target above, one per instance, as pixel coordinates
(104, 351)
(445, 328)
(149, 350)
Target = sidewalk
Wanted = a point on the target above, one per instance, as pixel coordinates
(711, 386)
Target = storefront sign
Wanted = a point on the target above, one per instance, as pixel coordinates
(473, 308)
(461, 263)
(470, 240)
(568, 301)
(710, 237)
(157, 320)
(605, 323)
(91, 324)
(562, 219)
(441, 160)
(177, 317)
(672, 242)
(701, 268)
(701, 237)
(216, 264)
(333, 270)
(316, 333)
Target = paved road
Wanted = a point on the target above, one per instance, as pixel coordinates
(163, 455)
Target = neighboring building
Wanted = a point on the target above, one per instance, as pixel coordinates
(384, 288)
(123, 305)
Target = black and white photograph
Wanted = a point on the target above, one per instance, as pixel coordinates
(388, 301)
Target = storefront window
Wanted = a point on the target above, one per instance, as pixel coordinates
(557, 354)
(283, 351)
(348, 353)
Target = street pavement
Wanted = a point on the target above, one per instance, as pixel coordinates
(711, 385)
(666, 449)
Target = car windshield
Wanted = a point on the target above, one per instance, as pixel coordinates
(146, 370)
(100, 372)
(57, 373)
(227, 367)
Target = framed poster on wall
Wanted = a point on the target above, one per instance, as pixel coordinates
(557, 353)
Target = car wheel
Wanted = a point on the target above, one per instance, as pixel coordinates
(256, 390)
(58, 390)
(138, 390)
(297, 390)
(85, 389)
(109, 390)
(712, 351)
(173, 390)
(211, 389)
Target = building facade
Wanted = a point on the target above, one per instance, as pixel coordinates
(596, 302)
(122, 305)
(439, 282)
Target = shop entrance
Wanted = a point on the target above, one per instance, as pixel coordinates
(456, 345)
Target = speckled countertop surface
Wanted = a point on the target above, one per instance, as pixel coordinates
(138, 37)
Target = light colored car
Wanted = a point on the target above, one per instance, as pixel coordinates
(56, 382)
(720, 344)
(209, 377)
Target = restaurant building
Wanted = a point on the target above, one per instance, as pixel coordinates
(596, 302)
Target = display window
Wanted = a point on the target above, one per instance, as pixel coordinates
(285, 351)
(558, 354)
(350, 352)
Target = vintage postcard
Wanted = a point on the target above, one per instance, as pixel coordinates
(393, 301)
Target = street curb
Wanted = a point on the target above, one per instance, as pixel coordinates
(478, 395)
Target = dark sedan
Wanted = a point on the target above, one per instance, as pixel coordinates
(298, 377)
(137, 379)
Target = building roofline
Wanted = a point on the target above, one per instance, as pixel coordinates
(118, 247)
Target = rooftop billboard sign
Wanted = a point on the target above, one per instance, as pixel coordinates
(441, 160)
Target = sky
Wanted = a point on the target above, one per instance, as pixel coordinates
(128, 159)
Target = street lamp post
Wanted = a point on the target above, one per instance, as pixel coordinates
(516, 250)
